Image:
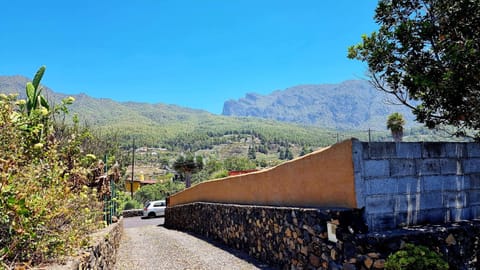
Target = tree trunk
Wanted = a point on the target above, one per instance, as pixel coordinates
(397, 135)
(188, 180)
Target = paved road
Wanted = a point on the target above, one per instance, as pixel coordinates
(140, 222)
(146, 244)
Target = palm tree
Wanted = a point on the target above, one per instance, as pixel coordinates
(395, 123)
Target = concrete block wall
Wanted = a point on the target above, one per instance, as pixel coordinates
(416, 183)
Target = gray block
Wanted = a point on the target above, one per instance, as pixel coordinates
(432, 216)
(402, 167)
(408, 150)
(474, 197)
(407, 203)
(376, 168)
(451, 166)
(474, 181)
(393, 186)
(473, 150)
(445, 183)
(379, 150)
(383, 222)
(433, 150)
(429, 166)
(360, 189)
(431, 200)
(471, 166)
(455, 150)
(379, 204)
(457, 214)
(455, 199)
(357, 155)
(475, 212)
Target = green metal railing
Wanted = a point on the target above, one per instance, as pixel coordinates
(109, 203)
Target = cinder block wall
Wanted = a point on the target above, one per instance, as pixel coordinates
(416, 183)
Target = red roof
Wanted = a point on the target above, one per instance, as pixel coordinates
(148, 182)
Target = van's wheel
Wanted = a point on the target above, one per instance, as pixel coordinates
(151, 214)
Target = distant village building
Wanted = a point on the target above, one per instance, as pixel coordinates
(137, 184)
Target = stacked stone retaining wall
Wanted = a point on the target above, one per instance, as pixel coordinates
(298, 238)
(102, 252)
(132, 213)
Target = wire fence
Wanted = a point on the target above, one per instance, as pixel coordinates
(409, 135)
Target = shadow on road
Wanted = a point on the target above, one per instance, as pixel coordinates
(237, 253)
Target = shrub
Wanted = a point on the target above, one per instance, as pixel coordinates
(45, 210)
(158, 191)
(132, 204)
(415, 257)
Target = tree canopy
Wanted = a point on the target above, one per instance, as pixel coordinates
(395, 123)
(187, 165)
(426, 53)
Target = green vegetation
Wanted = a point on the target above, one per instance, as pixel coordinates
(158, 191)
(125, 202)
(426, 55)
(415, 257)
(188, 165)
(46, 211)
(395, 123)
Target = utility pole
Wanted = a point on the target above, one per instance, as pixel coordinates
(133, 168)
(369, 135)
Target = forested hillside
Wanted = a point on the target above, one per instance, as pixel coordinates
(177, 128)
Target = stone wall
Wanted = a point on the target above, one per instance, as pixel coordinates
(283, 236)
(402, 184)
(102, 252)
(298, 238)
(132, 213)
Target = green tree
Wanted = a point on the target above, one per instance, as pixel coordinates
(305, 150)
(188, 165)
(158, 191)
(288, 154)
(427, 55)
(285, 154)
(252, 153)
(281, 154)
(395, 123)
(238, 164)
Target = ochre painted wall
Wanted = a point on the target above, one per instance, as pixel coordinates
(320, 179)
(136, 186)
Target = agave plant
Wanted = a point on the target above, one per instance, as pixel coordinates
(34, 98)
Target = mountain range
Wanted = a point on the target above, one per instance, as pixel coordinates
(163, 124)
(353, 104)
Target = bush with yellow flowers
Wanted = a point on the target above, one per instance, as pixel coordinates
(44, 214)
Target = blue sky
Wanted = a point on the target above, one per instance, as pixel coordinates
(195, 53)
